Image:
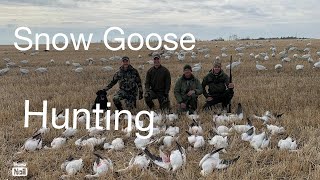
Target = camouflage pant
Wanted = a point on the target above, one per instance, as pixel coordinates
(129, 98)
(224, 98)
(191, 104)
(163, 100)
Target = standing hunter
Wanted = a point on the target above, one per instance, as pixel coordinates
(129, 84)
(220, 90)
(157, 86)
(187, 90)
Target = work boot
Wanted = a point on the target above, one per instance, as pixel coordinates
(150, 104)
(118, 106)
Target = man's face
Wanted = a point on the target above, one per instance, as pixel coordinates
(187, 73)
(125, 64)
(216, 69)
(156, 62)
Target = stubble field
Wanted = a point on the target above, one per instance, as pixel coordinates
(294, 93)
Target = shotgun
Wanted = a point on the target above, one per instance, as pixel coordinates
(230, 81)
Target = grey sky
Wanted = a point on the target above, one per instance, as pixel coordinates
(203, 18)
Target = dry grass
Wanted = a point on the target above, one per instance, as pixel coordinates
(294, 93)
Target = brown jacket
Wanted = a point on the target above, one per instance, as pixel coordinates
(158, 80)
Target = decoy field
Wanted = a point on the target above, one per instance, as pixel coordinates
(291, 90)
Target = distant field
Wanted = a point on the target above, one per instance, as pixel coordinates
(294, 93)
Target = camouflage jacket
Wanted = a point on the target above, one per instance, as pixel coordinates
(129, 80)
(184, 85)
(217, 83)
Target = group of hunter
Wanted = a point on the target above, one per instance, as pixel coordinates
(158, 82)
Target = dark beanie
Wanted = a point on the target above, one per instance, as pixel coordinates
(187, 66)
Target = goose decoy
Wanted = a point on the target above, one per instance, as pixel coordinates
(299, 67)
(23, 71)
(172, 130)
(33, 143)
(196, 67)
(260, 141)
(142, 143)
(117, 144)
(93, 131)
(260, 67)
(242, 128)
(158, 119)
(195, 128)
(247, 136)
(226, 118)
(42, 131)
(278, 67)
(41, 70)
(82, 118)
(265, 118)
(219, 141)
(173, 160)
(70, 132)
(192, 116)
(221, 130)
(191, 138)
(76, 64)
(71, 166)
(60, 115)
(101, 166)
(238, 116)
(57, 143)
(78, 69)
(178, 158)
(4, 71)
(171, 117)
(162, 161)
(195, 141)
(166, 141)
(273, 129)
(315, 65)
(141, 161)
(287, 144)
(212, 161)
(234, 64)
(92, 142)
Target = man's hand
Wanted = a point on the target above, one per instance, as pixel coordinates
(209, 98)
(140, 95)
(165, 97)
(231, 86)
(183, 105)
(146, 94)
(191, 92)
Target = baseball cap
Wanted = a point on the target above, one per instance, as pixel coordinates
(156, 56)
(187, 66)
(125, 58)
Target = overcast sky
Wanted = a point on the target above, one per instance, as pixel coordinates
(203, 18)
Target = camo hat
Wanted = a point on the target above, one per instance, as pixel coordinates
(156, 56)
(216, 63)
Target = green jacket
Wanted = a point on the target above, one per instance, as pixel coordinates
(217, 83)
(129, 80)
(184, 85)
